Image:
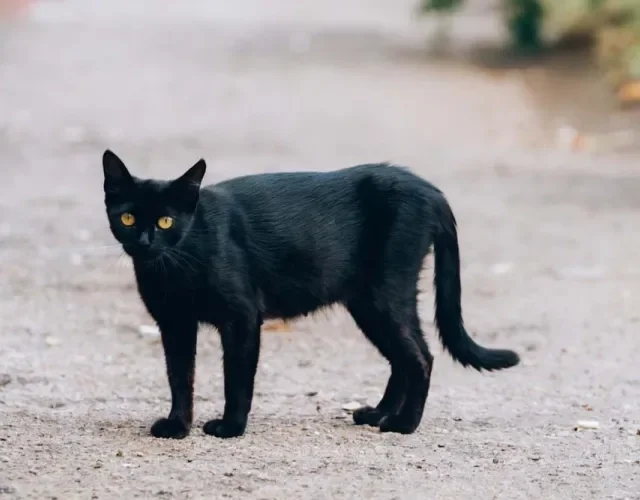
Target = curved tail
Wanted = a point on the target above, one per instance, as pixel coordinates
(448, 290)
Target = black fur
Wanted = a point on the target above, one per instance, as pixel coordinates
(284, 245)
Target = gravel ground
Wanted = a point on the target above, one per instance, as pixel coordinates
(549, 245)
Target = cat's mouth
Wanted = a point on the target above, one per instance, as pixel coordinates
(143, 254)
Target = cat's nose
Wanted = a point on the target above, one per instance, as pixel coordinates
(144, 240)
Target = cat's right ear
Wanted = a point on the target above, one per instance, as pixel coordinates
(115, 172)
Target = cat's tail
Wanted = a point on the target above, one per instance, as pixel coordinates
(448, 317)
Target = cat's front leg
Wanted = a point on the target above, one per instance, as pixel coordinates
(241, 345)
(179, 341)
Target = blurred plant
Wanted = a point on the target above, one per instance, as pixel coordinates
(524, 20)
(523, 17)
(618, 42)
(440, 5)
(532, 23)
(614, 26)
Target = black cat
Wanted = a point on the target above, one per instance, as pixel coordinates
(281, 246)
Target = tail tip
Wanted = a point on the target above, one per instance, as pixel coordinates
(489, 359)
(499, 359)
(511, 358)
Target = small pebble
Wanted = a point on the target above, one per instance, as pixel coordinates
(351, 406)
(98, 465)
(587, 424)
(119, 453)
(149, 331)
(568, 138)
(52, 341)
(139, 454)
(276, 326)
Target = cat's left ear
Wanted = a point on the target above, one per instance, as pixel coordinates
(186, 188)
(193, 176)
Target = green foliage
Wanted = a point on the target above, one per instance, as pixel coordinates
(614, 25)
(524, 20)
(440, 5)
(523, 17)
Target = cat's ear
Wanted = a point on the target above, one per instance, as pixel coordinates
(193, 176)
(115, 172)
(186, 188)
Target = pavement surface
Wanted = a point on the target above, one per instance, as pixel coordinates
(549, 238)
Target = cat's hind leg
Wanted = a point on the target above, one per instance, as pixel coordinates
(375, 325)
(391, 323)
(419, 366)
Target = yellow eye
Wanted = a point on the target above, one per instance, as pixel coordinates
(165, 222)
(127, 219)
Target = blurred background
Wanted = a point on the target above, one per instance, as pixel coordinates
(522, 111)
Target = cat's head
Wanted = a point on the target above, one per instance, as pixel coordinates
(149, 217)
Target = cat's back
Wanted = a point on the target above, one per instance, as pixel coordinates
(315, 186)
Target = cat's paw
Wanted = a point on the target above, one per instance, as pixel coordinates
(224, 428)
(368, 416)
(170, 429)
(394, 423)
